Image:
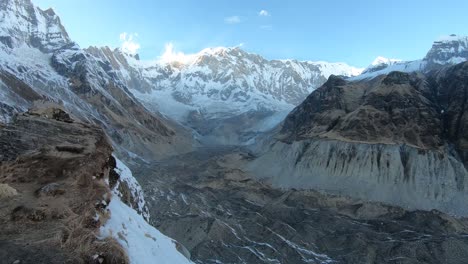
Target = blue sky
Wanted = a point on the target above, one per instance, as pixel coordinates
(332, 30)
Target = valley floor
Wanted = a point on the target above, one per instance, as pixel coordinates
(209, 203)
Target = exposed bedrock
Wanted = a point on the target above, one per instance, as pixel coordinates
(396, 174)
(398, 138)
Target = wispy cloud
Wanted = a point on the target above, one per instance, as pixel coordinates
(266, 27)
(232, 20)
(264, 13)
(128, 43)
(171, 55)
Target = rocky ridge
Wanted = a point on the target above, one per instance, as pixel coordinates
(58, 168)
(398, 138)
(63, 193)
(55, 69)
(445, 51)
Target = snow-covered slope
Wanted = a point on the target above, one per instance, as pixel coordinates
(226, 94)
(387, 67)
(39, 62)
(445, 51)
(235, 80)
(142, 242)
(215, 89)
(448, 50)
(21, 22)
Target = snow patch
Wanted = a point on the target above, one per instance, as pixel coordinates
(142, 242)
(135, 188)
(382, 60)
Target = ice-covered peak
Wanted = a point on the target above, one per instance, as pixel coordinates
(50, 11)
(382, 60)
(23, 23)
(177, 58)
(448, 50)
(215, 51)
(381, 63)
(126, 54)
(452, 38)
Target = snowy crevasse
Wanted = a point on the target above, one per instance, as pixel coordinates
(142, 242)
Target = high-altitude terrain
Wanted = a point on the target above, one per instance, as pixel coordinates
(64, 197)
(399, 138)
(240, 159)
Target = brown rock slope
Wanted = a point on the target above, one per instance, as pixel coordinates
(52, 190)
(398, 138)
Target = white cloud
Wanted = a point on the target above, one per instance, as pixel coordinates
(170, 55)
(128, 43)
(263, 13)
(232, 20)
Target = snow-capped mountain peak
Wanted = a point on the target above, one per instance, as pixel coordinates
(22, 22)
(230, 74)
(382, 60)
(452, 38)
(222, 83)
(179, 59)
(449, 50)
(380, 63)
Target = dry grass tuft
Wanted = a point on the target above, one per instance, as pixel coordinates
(110, 251)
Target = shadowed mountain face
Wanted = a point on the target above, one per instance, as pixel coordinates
(449, 50)
(399, 108)
(23, 23)
(399, 138)
(222, 86)
(38, 62)
(351, 175)
(224, 95)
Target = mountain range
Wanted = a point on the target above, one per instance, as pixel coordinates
(224, 134)
(222, 95)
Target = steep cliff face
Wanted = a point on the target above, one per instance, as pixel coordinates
(38, 62)
(66, 199)
(22, 22)
(447, 50)
(58, 168)
(398, 138)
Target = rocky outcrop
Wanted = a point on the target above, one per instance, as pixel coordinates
(448, 50)
(67, 199)
(396, 174)
(398, 138)
(58, 168)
